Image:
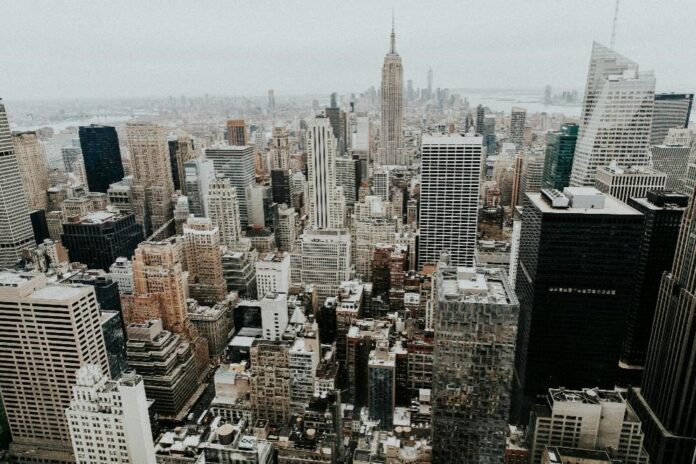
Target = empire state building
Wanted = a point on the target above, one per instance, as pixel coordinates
(391, 146)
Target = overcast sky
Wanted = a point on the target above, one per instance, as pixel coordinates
(99, 48)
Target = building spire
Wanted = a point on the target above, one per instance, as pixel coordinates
(393, 36)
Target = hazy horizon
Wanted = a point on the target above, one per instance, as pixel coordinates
(129, 49)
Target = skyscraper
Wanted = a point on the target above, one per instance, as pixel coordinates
(181, 150)
(338, 124)
(204, 261)
(672, 157)
(223, 211)
(48, 333)
(666, 402)
(198, 175)
(235, 163)
(101, 155)
(616, 116)
(32, 168)
(662, 211)
(672, 110)
(280, 148)
(391, 145)
(324, 260)
(98, 238)
(152, 181)
(578, 254)
(624, 183)
(475, 326)
(518, 118)
(15, 226)
(109, 420)
(159, 292)
(450, 173)
(560, 150)
(236, 133)
(321, 170)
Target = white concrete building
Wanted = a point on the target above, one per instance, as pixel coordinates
(634, 181)
(108, 420)
(272, 273)
(325, 260)
(121, 272)
(450, 183)
(303, 360)
(286, 228)
(274, 315)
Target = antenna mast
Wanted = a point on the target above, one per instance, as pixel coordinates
(613, 29)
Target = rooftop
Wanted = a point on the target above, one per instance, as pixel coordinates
(475, 285)
(612, 206)
(586, 396)
(451, 139)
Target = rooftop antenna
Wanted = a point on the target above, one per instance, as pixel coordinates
(393, 37)
(613, 29)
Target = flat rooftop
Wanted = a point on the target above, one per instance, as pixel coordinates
(451, 139)
(612, 206)
(475, 285)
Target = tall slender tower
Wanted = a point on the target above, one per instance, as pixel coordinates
(616, 116)
(152, 181)
(321, 170)
(666, 403)
(15, 227)
(223, 211)
(32, 168)
(391, 141)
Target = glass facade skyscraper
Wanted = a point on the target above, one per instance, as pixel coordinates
(560, 150)
(101, 155)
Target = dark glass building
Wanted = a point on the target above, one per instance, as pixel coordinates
(102, 156)
(115, 342)
(662, 212)
(39, 225)
(97, 239)
(560, 150)
(575, 282)
(666, 402)
(280, 185)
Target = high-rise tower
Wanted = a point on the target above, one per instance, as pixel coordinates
(152, 181)
(450, 170)
(321, 170)
(15, 227)
(102, 156)
(666, 402)
(32, 168)
(391, 141)
(616, 116)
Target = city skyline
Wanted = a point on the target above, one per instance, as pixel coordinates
(67, 47)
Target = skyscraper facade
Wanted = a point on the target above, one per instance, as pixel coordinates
(236, 133)
(108, 419)
(616, 116)
(16, 231)
(101, 155)
(578, 254)
(98, 238)
(152, 181)
(181, 150)
(560, 151)
(235, 163)
(475, 326)
(280, 148)
(518, 118)
(223, 211)
(32, 168)
(198, 175)
(672, 110)
(662, 211)
(48, 333)
(204, 261)
(666, 401)
(391, 145)
(321, 171)
(450, 173)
